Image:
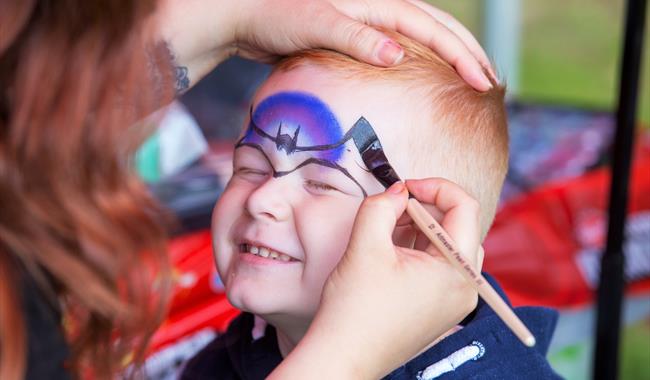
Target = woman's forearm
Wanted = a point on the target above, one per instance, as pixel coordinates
(198, 34)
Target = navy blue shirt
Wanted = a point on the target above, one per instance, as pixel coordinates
(47, 349)
(483, 349)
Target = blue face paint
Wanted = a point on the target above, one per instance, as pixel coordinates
(297, 122)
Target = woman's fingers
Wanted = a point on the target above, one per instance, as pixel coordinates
(415, 22)
(479, 258)
(355, 38)
(461, 212)
(376, 218)
(461, 31)
(406, 220)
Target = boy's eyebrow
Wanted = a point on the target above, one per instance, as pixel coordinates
(309, 161)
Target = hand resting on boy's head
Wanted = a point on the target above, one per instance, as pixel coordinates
(411, 296)
(201, 34)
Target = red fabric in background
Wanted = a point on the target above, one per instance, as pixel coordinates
(198, 300)
(534, 243)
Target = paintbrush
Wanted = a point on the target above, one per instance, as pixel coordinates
(373, 156)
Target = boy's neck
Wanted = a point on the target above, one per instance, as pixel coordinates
(288, 331)
(287, 342)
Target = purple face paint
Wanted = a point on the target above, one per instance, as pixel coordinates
(296, 122)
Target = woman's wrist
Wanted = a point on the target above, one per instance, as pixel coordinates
(198, 34)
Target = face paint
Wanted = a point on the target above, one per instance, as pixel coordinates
(372, 153)
(298, 123)
(315, 130)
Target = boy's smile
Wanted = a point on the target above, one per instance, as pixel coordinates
(263, 252)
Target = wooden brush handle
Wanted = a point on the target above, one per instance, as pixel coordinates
(441, 240)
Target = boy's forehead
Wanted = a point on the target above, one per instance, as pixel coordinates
(332, 97)
(391, 108)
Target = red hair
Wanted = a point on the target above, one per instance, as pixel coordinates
(75, 76)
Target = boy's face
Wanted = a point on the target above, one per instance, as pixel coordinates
(296, 187)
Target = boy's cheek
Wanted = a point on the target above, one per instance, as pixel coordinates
(327, 250)
(224, 214)
(228, 208)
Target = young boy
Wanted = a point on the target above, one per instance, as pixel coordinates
(285, 218)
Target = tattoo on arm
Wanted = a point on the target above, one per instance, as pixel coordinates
(181, 73)
(182, 80)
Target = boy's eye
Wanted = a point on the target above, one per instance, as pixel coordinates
(319, 186)
(249, 171)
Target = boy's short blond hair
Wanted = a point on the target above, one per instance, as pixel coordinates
(468, 140)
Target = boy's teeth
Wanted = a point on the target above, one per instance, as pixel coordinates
(265, 252)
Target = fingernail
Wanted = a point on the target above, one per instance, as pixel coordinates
(485, 82)
(390, 52)
(396, 188)
(493, 75)
(489, 72)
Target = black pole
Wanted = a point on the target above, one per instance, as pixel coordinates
(610, 290)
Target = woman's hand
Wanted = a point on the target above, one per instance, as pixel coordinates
(201, 34)
(383, 303)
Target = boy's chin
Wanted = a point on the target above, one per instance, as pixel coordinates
(258, 304)
(270, 309)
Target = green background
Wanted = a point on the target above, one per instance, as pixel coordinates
(570, 50)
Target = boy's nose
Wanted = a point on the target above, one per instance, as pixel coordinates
(270, 201)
